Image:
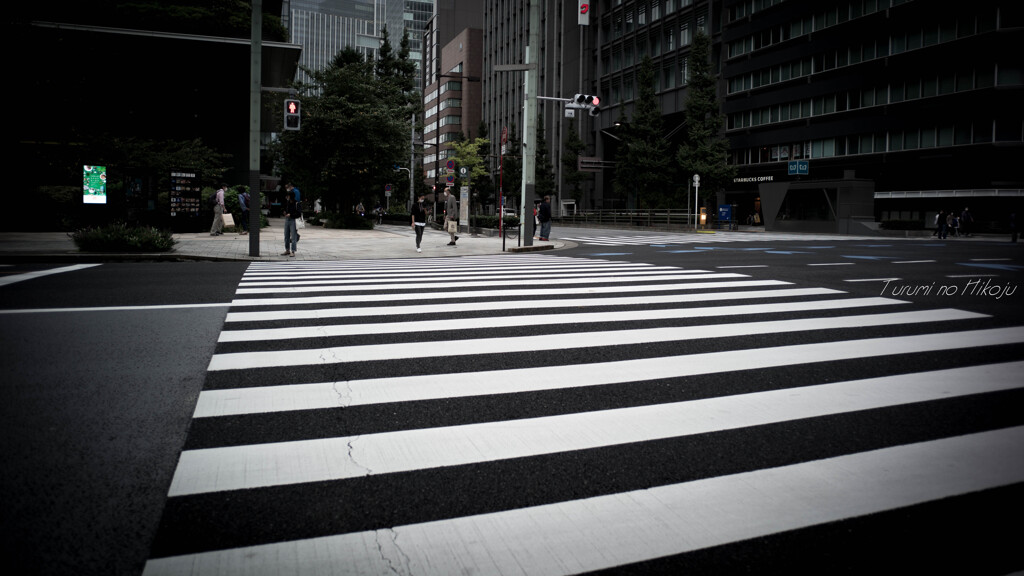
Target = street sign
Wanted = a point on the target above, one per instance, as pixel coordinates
(463, 171)
(584, 14)
(450, 165)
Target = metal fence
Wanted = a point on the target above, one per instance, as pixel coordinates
(646, 218)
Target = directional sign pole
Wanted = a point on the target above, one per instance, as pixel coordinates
(696, 195)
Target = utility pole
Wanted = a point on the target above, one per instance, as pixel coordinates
(255, 94)
(530, 121)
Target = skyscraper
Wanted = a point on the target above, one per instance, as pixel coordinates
(325, 27)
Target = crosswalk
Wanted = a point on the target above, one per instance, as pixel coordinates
(537, 414)
(670, 238)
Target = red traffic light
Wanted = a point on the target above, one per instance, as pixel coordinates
(595, 101)
(292, 114)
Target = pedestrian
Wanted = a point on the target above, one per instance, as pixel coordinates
(451, 215)
(292, 212)
(218, 212)
(938, 215)
(243, 201)
(536, 218)
(545, 218)
(289, 187)
(953, 223)
(966, 221)
(419, 220)
(940, 219)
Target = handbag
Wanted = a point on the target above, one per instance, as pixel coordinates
(300, 223)
(229, 220)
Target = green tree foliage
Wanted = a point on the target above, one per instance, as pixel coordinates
(467, 155)
(572, 149)
(512, 172)
(484, 186)
(544, 174)
(645, 167)
(704, 151)
(355, 128)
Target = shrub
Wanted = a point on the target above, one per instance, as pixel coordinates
(121, 237)
(348, 220)
(902, 225)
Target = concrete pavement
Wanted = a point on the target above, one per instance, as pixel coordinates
(315, 243)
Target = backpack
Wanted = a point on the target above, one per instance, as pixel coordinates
(212, 200)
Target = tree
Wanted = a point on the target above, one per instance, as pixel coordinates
(355, 128)
(572, 150)
(544, 175)
(467, 155)
(484, 187)
(704, 150)
(512, 170)
(646, 165)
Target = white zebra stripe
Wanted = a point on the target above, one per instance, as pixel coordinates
(473, 277)
(618, 529)
(348, 393)
(414, 326)
(413, 309)
(379, 352)
(450, 270)
(274, 464)
(499, 293)
(417, 284)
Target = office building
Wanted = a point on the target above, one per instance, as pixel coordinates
(888, 109)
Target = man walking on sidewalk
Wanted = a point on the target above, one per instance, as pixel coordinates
(451, 215)
(218, 212)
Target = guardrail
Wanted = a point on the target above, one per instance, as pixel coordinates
(669, 218)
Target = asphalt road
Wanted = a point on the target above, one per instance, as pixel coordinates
(100, 397)
(102, 369)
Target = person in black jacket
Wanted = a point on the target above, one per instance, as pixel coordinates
(292, 212)
(544, 216)
(419, 221)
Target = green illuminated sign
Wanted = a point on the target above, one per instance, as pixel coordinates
(94, 184)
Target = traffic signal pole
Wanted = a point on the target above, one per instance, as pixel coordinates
(530, 122)
(255, 93)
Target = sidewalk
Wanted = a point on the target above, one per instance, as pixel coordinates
(316, 243)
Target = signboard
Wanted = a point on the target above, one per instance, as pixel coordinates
(185, 193)
(725, 213)
(94, 184)
(798, 167)
(464, 204)
(584, 11)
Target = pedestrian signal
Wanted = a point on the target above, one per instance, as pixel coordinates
(292, 114)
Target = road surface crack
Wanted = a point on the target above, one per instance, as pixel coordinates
(393, 554)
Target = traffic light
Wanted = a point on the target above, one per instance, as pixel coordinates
(588, 101)
(292, 114)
